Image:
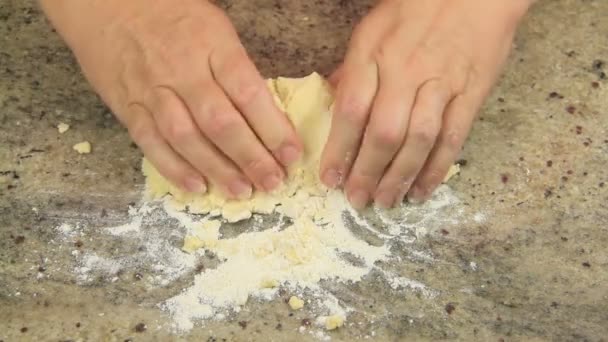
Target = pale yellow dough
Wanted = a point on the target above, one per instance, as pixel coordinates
(295, 303)
(83, 147)
(334, 322)
(306, 102)
(62, 127)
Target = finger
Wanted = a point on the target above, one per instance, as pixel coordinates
(457, 123)
(384, 134)
(224, 126)
(424, 126)
(334, 78)
(240, 80)
(169, 164)
(178, 128)
(354, 97)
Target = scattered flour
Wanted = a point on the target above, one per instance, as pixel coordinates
(218, 291)
(305, 236)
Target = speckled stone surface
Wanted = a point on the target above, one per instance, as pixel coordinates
(536, 165)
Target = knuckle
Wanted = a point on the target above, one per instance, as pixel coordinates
(432, 177)
(140, 132)
(247, 91)
(367, 175)
(180, 132)
(258, 166)
(389, 138)
(353, 110)
(176, 176)
(453, 140)
(424, 134)
(241, 78)
(219, 121)
(383, 52)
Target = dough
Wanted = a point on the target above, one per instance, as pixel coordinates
(295, 303)
(308, 250)
(306, 102)
(83, 147)
(334, 322)
(62, 128)
(454, 170)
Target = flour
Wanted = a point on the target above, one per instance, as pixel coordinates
(153, 251)
(298, 238)
(258, 262)
(217, 292)
(397, 282)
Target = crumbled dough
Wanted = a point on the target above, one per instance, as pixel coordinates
(234, 211)
(269, 283)
(454, 170)
(83, 147)
(62, 127)
(192, 243)
(295, 303)
(333, 322)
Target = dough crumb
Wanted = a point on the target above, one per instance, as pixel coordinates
(269, 284)
(83, 147)
(192, 243)
(333, 322)
(295, 303)
(62, 127)
(453, 171)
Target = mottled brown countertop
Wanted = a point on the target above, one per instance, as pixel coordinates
(536, 166)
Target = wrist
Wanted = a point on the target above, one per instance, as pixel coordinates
(77, 20)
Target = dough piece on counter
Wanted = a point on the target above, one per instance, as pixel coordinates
(453, 171)
(269, 283)
(334, 322)
(295, 303)
(62, 127)
(192, 243)
(83, 147)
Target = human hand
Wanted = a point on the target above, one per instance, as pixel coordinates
(178, 77)
(413, 79)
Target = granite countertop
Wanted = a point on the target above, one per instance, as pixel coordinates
(534, 268)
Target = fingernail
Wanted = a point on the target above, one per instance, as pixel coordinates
(331, 178)
(404, 188)
(359, 199)
(400, 197)
(417, 195)
(195, 185)
(385, 199)
(288, 154)
(271, 182)
(241, 190)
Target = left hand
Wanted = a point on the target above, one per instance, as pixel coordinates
(414, 77)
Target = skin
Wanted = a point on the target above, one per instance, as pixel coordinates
(413, 79)
(181, 82)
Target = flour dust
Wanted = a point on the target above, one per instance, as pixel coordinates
(367, 241)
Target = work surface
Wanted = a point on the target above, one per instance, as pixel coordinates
(525, 255)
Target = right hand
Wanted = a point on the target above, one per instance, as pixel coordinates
(176, 74)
